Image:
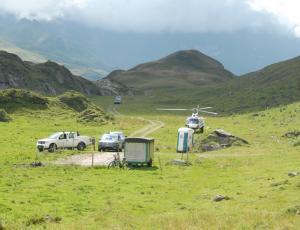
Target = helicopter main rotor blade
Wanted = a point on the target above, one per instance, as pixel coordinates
(202, 111)
(161, 109)
(205, 108)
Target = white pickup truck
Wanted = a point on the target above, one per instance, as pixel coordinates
(61, 140)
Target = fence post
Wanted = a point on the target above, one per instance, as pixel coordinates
(94, 147)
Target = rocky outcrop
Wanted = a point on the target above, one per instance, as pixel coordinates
(48, 78)
(219, 139)
(110, 88)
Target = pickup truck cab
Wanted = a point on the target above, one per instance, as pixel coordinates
(61, 140)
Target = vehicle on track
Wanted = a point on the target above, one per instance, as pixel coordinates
(110, 142)
(118, 100)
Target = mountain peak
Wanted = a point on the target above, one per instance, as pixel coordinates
(181, 69)
(192, 59)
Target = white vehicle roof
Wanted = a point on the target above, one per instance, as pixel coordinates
(108, 136)
(116, 132)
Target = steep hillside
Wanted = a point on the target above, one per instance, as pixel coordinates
(46, 78)
(275, 85)
(178, 70)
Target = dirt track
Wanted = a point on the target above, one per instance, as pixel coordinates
(103, 159)
(152, 126)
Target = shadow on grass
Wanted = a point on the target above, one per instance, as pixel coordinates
(143, 168)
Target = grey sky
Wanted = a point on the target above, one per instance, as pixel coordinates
(154, 16)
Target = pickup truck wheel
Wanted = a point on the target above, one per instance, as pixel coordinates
(52, 148)
(81, 146)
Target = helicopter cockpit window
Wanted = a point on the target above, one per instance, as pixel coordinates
(194, 121)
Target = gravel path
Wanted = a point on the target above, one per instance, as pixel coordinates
(86, 159)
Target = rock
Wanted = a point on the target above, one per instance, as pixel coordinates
(292, 134)
(179, 162)
(222, 133)
(219, 198)
(211, 147)
(284, 182)
(220, 139)
(36, 164)
(111, 88)
(293, 174)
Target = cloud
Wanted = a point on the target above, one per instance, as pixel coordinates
(40, 9)
(285, 12)
(189, 16)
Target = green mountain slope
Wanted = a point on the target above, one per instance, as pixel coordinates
(47, 78)
(179, 70)
(277, 84)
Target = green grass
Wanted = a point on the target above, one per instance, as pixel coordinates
(165, 197)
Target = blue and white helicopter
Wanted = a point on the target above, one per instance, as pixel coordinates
(194, 122)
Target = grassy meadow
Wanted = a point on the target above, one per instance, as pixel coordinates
(254, 177)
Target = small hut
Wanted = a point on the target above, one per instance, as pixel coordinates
(139, 151)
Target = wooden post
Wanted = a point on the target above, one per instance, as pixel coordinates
(94, 143)
(92, 159)
(94, 148)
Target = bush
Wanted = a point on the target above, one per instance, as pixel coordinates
(4, 117)
(75, 100)
(95, 115)
(294, 210)
(88, 111)
(20, 96)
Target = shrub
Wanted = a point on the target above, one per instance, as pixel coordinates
(4, 117)
(20, 96)
(95, 115)
(75, 100)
